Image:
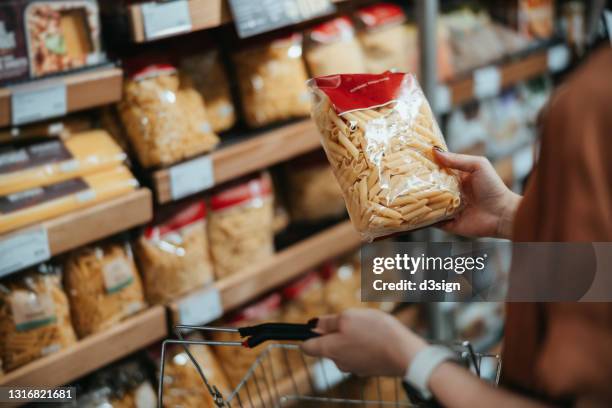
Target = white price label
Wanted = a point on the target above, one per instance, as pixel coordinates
(165, 19)
(200, 307)
(33, 102)
(487, 82)
(443, 99)
(326, 375)
(191, 177)
(23, 249)
(558, 57)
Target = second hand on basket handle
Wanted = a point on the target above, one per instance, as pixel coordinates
(277, 331)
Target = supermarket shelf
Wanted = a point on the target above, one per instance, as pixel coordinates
(512, 72)
(92, 352)
(245, 286)
(90, 224)
(203, 13)
(84, 90)
(255, 153)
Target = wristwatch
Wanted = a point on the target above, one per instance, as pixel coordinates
(422, 366)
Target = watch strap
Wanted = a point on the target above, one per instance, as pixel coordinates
(423, 365)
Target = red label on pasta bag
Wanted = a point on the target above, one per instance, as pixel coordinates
(242, 193)
(186, 216)
(295, 289)
(381, 14)
(260, 310)
(348, 92)
(334, 30)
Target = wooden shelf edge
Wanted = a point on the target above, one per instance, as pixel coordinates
(256, 153)
(92, 352)
(90, 224)
(237, 290)
(84, 90)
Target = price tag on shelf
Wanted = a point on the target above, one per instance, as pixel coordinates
(191, 177)
(256, 17)
(443, 99)
(37, 101)
(22, 249)
(326, 375)
(487, 82)
(558, 57)
(165, 19)
(200, 307)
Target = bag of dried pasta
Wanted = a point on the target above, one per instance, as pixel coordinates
(173, 253)
(236, 361)
(385, 40)
(342, 289)
(271, 81)
(304, 299)
(103, 286)
(165, 120)
(312, 191)
(332, 47)
(183, 386)
(34, 317)
(378, 132)
(208, 77)
(240, 228)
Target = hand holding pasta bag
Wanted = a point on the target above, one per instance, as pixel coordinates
(378, 132)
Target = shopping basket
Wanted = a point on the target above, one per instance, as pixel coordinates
(282, 376)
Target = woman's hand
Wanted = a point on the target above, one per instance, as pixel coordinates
(489, 205)
(365, 342)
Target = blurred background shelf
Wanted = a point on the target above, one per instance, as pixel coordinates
(247, 285)
(91, 352)
(243, 157)
(84, 89)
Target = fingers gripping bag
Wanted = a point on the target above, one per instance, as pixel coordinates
(378, 132)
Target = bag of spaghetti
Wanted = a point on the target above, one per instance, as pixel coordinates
(332, 47)
(207, 73)
(103, 286)
(173, 253)
(236, 361)
(34, 317)
(313, 193)
(378, 132)
(241, 225)
(271, 81)
(165, 120)
(386, 41)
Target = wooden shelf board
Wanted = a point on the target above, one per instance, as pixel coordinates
(512, 73)
(84, 90)
(258, 152)
(245, 286)
(91, 352)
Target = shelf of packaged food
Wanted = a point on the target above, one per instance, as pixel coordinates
(84, 89)
(91, 352)
(510, 73)
(90, 224)
(247, 285)
(255, 153)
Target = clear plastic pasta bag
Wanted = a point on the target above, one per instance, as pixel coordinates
(378, 132)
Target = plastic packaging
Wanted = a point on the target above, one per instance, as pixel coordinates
(208, 77)
(342, 289)
(103, 286)
(41, 203)
(237, 360)
(378, 132)
(332, 47)
(34, 317)
(272, 81)
(312, 190)
(241, 225)
(183, 386)
(51, 161)
(165, 122)
(173, 253)
(385, 40)
(304, 299)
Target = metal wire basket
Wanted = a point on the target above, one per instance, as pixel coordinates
(283, 376)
